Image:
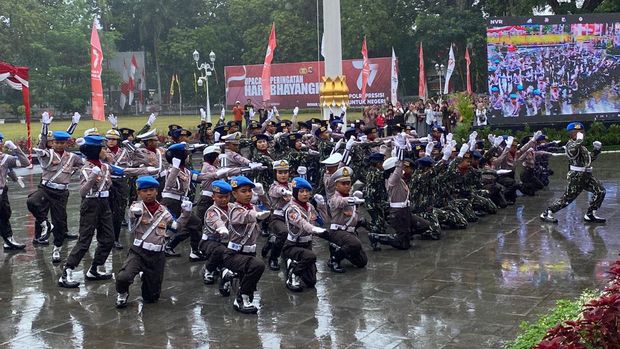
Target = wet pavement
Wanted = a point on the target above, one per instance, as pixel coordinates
(469, 290)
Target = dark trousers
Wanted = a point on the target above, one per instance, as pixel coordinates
(248, 267)
(151, 264)
(5, 215)
(305, 258)
(578, 182)
(530, 184)
(214, 251)
(95, 214)
(45, 200)
(351, 247)
(193, 228)
(510, 186)
(278, 230)
(119, 193)
(401, 220)
(202, 206)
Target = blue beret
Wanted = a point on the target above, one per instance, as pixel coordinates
(376, 157)
(494, 89)
(93, 140)
(426, 161)
(177, 146)
(536, 92)
(575, 126)
(437, 128)
(492, 69)
(301, 183)
(1, 136)
(222, 129)
(519, 87)
(178, 132)
(541, 138)
(476, 154)
(221, 187)
(61, 135)
(146, 182)
(241, 181)
(513, 95)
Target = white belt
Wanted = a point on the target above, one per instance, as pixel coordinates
(241, 248)
(399, 204)
(56, 186)
(173, 196)
(278, 213)
(99, 194)
(148, 246)
(207, 193)
(342, 227)
(116, 177)
(580, 169)
(302, 239)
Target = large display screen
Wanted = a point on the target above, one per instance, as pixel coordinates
(544, 69)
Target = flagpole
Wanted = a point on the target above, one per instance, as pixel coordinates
(318, 48)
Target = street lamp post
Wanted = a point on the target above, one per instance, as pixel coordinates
(440, 69)
(208, 68)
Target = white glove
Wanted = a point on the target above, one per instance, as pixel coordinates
(320, 200)
(579, 136)
(216, 136)
(258, 189)
(537, 134)
(296, 111)
(136, 210)
(262, 215)
(152, 170)
(203, 114)
(358, 194)
(10, 145)
(363, 138)
(255, 165)
(318, 230)
(96, 171)
(497, 141)
(473, 136)
(429, 148)
(509, 141)
(187, 205)
(350, 143)
(113, 120)
(446, 151)
(400, 140)
(302, 170)
(79, 141)
(285, 192)
(151, 120)
(491, 138)
(352, 200)
(222, 231)
(596, 144)
(442, 139)
(76, 118)
(176, 162)
(46, 118)
(449, 137)
(464, 149)
(337, 146)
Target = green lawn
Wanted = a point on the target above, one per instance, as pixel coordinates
(17, 131)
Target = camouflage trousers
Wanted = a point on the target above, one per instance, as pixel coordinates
(482, 203)
(378, 218)
(431, 217)
(578, 182)
(449, 217)
(463, 206)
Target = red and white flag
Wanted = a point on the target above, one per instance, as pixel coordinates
(365, 69)
(96, 58)
(468, 60)
(422, 76)
(266, 76)
(122, 100)
(133, 67)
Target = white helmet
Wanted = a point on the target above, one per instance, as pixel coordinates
(211, 149)
(390, 163)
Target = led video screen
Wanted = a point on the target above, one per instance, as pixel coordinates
(544, 69)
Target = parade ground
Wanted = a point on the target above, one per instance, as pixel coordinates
(469, 290)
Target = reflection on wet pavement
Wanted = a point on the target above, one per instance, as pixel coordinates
(469, 290)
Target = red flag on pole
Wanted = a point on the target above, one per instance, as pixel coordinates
(365, 69)
(422, 76)
(96, 58)
(468, 60)
(266, 76)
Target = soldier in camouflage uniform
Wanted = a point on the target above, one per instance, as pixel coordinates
(296, 156)
(376, 194)
(473, 183)
(420, 193)
(261, 154)
(579, 177)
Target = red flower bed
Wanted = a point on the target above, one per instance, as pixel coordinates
(599, 323)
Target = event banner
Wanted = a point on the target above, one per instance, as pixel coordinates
(543, 69)
(297, 84)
